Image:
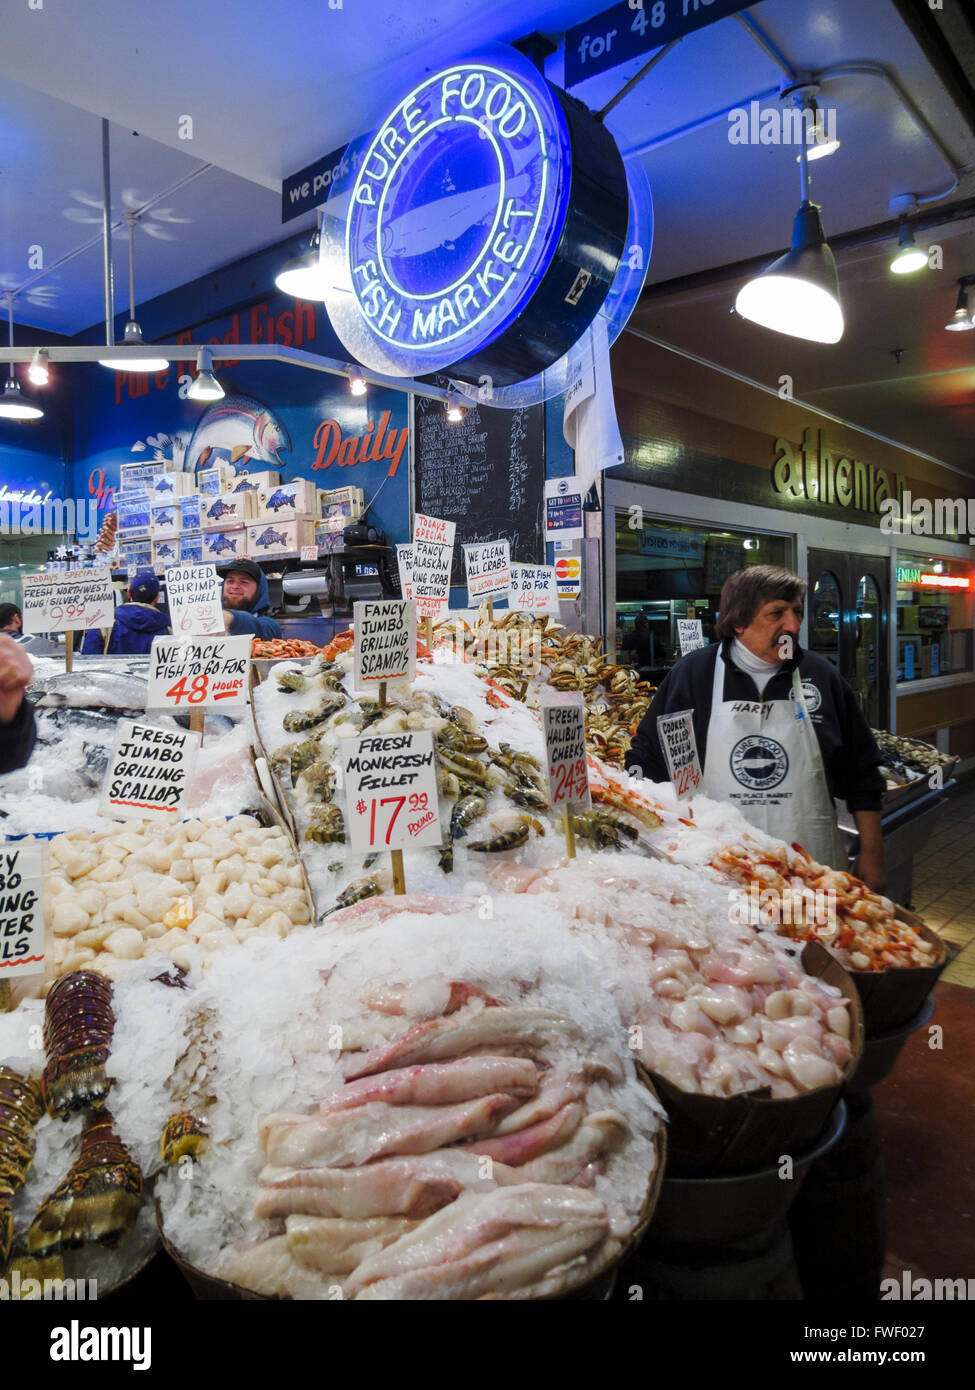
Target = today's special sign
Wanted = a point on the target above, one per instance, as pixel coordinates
(69, 602)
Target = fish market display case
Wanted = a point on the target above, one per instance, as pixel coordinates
(908, 818)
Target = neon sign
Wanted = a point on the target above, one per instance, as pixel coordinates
(487, 211)
(944, 581)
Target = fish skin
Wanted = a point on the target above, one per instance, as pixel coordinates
(532, 1141)
(86, 689)
(439, 1039)
(331, 1245)
(479, 1221)
(439, 1084)
(348, 1138)
(413, 1186)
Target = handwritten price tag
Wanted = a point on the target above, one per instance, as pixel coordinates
(68, 602)
(199, 672)
(564, 725)
(679, 745)
(193, 596)
(21, 910)
(391, 792)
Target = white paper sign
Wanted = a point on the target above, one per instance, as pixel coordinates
(431, 528)
(564, 726)
(690, 635)
(391, 792)
(148, 771)
(70, 602)
(563, 510)
(308, 552)
(384, 648)
(488, 567)
(193, 595)
(680, 749)
(430, 577)
(199, 672)
(21, 910)
(404, 562)
(534, 588)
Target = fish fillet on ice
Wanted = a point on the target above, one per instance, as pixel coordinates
(348, 1138)
(412, 1186)
(467, 1078)
(331, 1245)
(534, 1140)
(489, 1241)
(598, 1134)
(439, 1039)
(271, 1269)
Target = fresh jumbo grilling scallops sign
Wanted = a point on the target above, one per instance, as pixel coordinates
(148, 771)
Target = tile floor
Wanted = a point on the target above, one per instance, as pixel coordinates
(944, 883)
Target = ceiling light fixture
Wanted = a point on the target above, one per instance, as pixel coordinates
(132, 337)
(357, 382)
(38, 372)
(909, 257)
(13, 406)
(302, 276)
(799, 293)
(961, 320)
(452, 409)
(817, 148)
(205, 386)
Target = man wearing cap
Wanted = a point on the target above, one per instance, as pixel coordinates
(136, 622)
(246, 601)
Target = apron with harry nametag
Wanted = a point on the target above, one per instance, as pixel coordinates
(764, 757)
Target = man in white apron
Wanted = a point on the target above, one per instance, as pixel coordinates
(779, 731)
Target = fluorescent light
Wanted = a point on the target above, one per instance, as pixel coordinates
(125, 363)
(798, 294)
(13, 406)
(205, 387)
(909, 257)
(37, 372)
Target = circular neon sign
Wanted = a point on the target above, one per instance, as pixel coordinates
(481, 227)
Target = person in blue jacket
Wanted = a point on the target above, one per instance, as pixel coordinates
(136, 622)
(246, 601)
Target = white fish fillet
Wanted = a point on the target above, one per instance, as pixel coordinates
(438, 1039)
(481, 1219)
(598, 1134)
(393, 1186)
(467, 1078)
(270, 1269)
(531, 1142)
(348, 1138)
(330, 1245)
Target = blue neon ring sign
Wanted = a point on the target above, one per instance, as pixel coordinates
(458, 214)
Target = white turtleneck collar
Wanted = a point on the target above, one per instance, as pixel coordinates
(760, 670)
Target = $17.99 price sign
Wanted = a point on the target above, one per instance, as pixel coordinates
(391, 792)
(564, 725)
(199, 672)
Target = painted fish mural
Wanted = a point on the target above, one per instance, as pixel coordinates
(165, 551)
(281, 498)
(244, 427)
(163, 485)
(164, 518)
(218, 510)
(272, 537)
(222, 543)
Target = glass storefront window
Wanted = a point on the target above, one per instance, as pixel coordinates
(824, 618)
(935, 612)
(866, 682)
(666, 571)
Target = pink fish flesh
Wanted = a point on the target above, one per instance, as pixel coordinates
(440, 1083)
(518, 1148)
(391, 1187)
(438, 1039)
(347, 1138)
(598, 1134)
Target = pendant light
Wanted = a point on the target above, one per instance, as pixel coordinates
(909, 257)
(357, 382)
(132, 337)
(38, 373)
(205, 387)
(961, 320)
(816, 148)
(301, 276)
(799, 293)
(13, 406)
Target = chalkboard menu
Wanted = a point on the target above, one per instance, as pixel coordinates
(486, 473)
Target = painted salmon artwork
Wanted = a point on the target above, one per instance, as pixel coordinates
(221, 544)
(272, 537)
(281, 498)
(242, 426)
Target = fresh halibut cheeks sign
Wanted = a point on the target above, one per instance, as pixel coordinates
(385, 642)
(564, 726)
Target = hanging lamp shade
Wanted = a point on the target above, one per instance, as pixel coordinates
(13, 406)
(799, 294)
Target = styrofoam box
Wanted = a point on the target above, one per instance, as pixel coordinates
(165, 521)
(213, 481)
(189, 512)
(134, 513)
(224, 545)
(251, 482)
(279, 537)
(138, 553)
(167, 486)
(294, 501)
(191, 548)
(165, 553)
(336, 496)
(229, 509)
(134, 477)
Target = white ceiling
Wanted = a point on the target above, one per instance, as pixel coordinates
(271, 88)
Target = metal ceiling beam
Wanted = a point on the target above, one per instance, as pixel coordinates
(236, 352)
